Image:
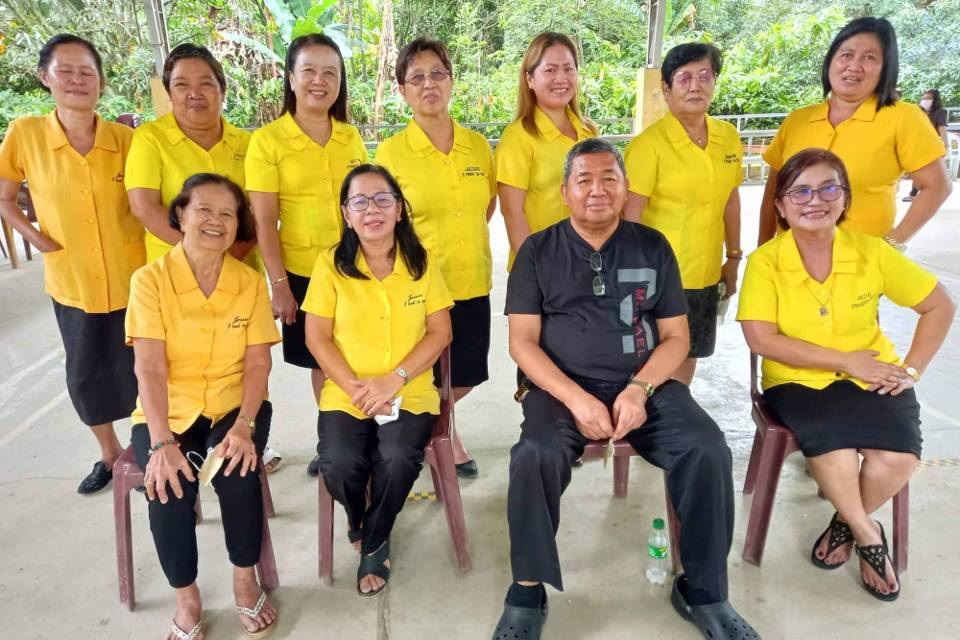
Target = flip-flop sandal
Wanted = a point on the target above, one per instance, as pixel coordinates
(840, 534)
(272, 460)
(520, 622)
(372, 564)
(180, 634)
(876, 555)
(252, 614)
(718, 621)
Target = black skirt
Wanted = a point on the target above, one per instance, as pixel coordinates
(295, 349)
(100, 378)
(470, 320)
(844, 416)
(702, 306)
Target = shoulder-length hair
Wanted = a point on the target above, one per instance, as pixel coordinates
(339, 109)
(802, 161)
(246, 229)
(886, 91)
(411, 251)
(936, 103)
(526, 99)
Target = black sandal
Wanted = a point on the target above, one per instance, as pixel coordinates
(876, 556)
(840, 534)
(521, 622)
(718, 621)
(372, 564)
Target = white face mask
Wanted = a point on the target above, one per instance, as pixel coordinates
(926, 103)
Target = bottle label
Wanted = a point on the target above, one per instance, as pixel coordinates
(656, 552)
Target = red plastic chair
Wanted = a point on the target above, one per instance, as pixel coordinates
(127, 476)
(131, 120)
(438, 454)
(772, 443)
(622, 451)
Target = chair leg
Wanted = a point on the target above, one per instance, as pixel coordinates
(325, 522)
(121, 516)
(901, 528)
(437, 483)
(621, 475)
(267, 567)
(268, 511)
(761, 509)
(673, 522)
(27, 249)
(452, 505)
(8, 235)
(751, 480)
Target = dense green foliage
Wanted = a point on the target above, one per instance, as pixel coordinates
(773, 48)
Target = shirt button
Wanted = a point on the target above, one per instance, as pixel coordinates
(97, 249)
(458, 214)
(90, 220)
(205, 330)
(206, 306)
(84, 191)
(83, 163)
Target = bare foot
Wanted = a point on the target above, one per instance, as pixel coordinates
(246, 592)
(839, 555)
(869, 576)
(188, 612)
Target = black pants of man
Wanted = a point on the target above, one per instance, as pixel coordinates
(678, 437)
(174, 524)
(352, 450)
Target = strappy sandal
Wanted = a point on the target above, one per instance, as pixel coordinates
(876, 556)
(372, 564)
(252, 614)
(840, 534)
(180, 634)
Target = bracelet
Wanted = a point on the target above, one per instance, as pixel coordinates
(278, 280)
(646, 386)
(735, 254)
(896, 244)
(160, 445)
(247, 421)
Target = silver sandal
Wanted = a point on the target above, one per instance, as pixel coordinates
(180, 634)
(252, 614)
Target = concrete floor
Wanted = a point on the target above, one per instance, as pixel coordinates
(57, 569)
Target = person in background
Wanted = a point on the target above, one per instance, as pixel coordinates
(684, 172)
(809, 306)
(377, 319)
(446, 173)
(878, 137)
(933, 107)
(294, 169)
(548, 122)
(201, 327)
(91, 243)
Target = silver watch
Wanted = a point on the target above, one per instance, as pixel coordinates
(400, 371)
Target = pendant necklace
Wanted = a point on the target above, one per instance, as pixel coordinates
(822, 297)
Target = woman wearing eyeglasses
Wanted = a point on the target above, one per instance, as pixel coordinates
(377, 319)
(446, 173)
(684, 172)
(809, 305)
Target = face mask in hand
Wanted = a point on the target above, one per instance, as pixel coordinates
(926, 103)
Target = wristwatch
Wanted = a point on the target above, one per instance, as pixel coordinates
(648, 388)
(250, 423)
(913, 373)
(400, 371)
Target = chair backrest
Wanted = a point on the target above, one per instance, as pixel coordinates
(131, 120)
(754, 375)
(27, 202)
(445, 420)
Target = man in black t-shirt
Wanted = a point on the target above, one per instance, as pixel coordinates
(598, 323)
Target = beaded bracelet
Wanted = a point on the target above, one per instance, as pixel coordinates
(160, 445)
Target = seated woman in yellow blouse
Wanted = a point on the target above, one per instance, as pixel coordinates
(193, 138)
(377, 319)
(201, 328)
(91, 243)
(446, 172)
(809, 307)
(294, 170)
(548, 123)
(878, 137)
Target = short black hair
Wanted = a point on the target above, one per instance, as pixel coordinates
(802, 161)
(46, 53)
(588, 147)
(685, 54)
(339, 109)
(886, 90)
(189, 50)
(415, 48)
(246, 229)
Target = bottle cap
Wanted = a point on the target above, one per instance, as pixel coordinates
(658, 524)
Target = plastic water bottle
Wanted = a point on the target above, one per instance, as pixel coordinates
(657, 552)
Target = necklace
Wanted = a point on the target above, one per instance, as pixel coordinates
(822, 297)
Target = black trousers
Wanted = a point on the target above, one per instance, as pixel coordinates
(241, 503)
(352, 450)
(678, 437)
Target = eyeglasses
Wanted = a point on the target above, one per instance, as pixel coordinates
(384, 200)
(437, 75)
(596, 263)
(706, 77)
(827, 193)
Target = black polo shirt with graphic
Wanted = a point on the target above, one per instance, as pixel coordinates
(600, 337)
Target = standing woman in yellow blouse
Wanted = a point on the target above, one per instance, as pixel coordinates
(446, 173)
(294, 169)
(878, 137)
(193, 138)
(684, 171)
(91, 243)
(377, 320)
(531, 151)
